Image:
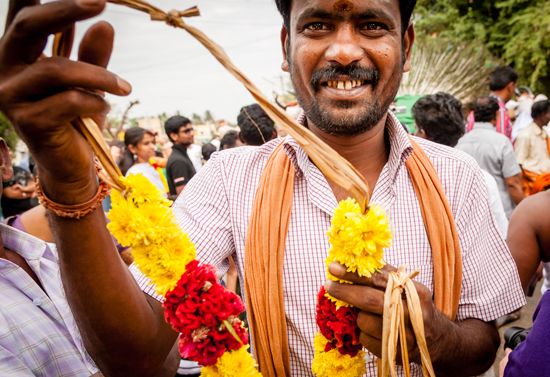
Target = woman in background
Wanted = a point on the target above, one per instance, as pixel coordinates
(140, 149)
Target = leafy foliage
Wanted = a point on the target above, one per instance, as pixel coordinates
(7, 132)
(516, 31)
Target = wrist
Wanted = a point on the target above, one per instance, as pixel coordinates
(69, 190)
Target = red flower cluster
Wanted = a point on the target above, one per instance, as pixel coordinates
(197, 308)
(339, 326)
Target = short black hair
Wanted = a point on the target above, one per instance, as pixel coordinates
(229, 140)
(502, 76)
(539, 108)
(485, 109)
(256, 126)
(174, 123)
(207, 150)
(440, 117)
(405, 6)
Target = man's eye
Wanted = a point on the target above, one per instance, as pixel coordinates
(316, 26)
(374, 26)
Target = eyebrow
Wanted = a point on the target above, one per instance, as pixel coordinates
(374, 13)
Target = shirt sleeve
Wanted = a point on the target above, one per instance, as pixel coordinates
(181, 173)
(202, 211)
(510, 166)
(490, 282)
(521, 146)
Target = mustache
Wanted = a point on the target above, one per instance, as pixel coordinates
(352, 71)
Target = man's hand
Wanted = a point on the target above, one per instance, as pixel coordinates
(463, 348)
(367, 294)
(41, 96)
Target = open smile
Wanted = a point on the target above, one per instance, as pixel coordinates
(344, 89)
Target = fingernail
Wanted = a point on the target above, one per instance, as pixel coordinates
(124, 85)
(337, 269)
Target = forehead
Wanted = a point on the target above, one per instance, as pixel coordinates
(345, 8)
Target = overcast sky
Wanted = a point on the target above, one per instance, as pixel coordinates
(170, 71)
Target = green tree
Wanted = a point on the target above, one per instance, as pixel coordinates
(7, 132)
(515, 31)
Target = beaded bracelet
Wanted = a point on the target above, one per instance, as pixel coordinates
(74, 211)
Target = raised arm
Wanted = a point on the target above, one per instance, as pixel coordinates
(124, 333)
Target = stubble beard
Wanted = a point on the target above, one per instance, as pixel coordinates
(351, 124)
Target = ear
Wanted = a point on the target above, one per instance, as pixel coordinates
(132, 149)
(408, 41)
(5, 163)
(284, 45)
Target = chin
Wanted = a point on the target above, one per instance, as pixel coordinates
(345, 119)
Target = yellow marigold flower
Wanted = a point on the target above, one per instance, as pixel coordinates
(142, 219)
(237, 363)
(333, 363)
(358, 240)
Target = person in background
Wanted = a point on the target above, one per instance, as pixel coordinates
(179, 168)
(256, 127)
(493, 152)
(38, 333)
(532, 145)
(207, 150)
(19, 192)
(140, 148)
(529, 242)
(502, 83)
(439, 118)
(230, 140)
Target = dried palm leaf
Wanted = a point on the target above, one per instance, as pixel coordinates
(438, 66)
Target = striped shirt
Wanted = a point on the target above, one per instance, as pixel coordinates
(215, 207)
(38, 333)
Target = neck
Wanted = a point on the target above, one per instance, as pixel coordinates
(500, 94)
(367, 152)
(141, 160)
(539, 123)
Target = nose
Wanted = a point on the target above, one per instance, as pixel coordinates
(345, 48)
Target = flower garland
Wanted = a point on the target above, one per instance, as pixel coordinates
(196, 305)
(357, 241)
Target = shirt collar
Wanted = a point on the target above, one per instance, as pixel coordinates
(400, 148)
(27, 246)
(484, 126)
(538, 130)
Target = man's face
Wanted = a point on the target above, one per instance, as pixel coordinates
(346, 59)
(185, 135)
(545, 118)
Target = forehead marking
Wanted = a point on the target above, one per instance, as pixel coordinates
(343, 6)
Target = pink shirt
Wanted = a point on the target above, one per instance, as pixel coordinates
(215, 207)
(503, 123)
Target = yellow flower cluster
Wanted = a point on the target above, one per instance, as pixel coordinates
(333, 363)
(237, 363)
(141, 218)
(358, 239)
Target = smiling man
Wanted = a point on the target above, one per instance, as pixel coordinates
(346, 59)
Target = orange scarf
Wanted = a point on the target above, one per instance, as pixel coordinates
(265, 247)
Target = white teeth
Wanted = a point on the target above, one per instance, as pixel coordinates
(348, 85)
(341, 85)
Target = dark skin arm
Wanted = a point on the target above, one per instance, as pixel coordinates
(515, 188)
(123, 330)
(528, 236)
(465, 348)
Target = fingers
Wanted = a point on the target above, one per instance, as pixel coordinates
(372, 344)
(377, 280)
(368, 299)
(14, 8)
(27, 34)
(56, 112)
(97, 44)
(370, 324)
(53, 75)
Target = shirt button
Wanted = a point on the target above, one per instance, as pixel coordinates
(38, 301)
